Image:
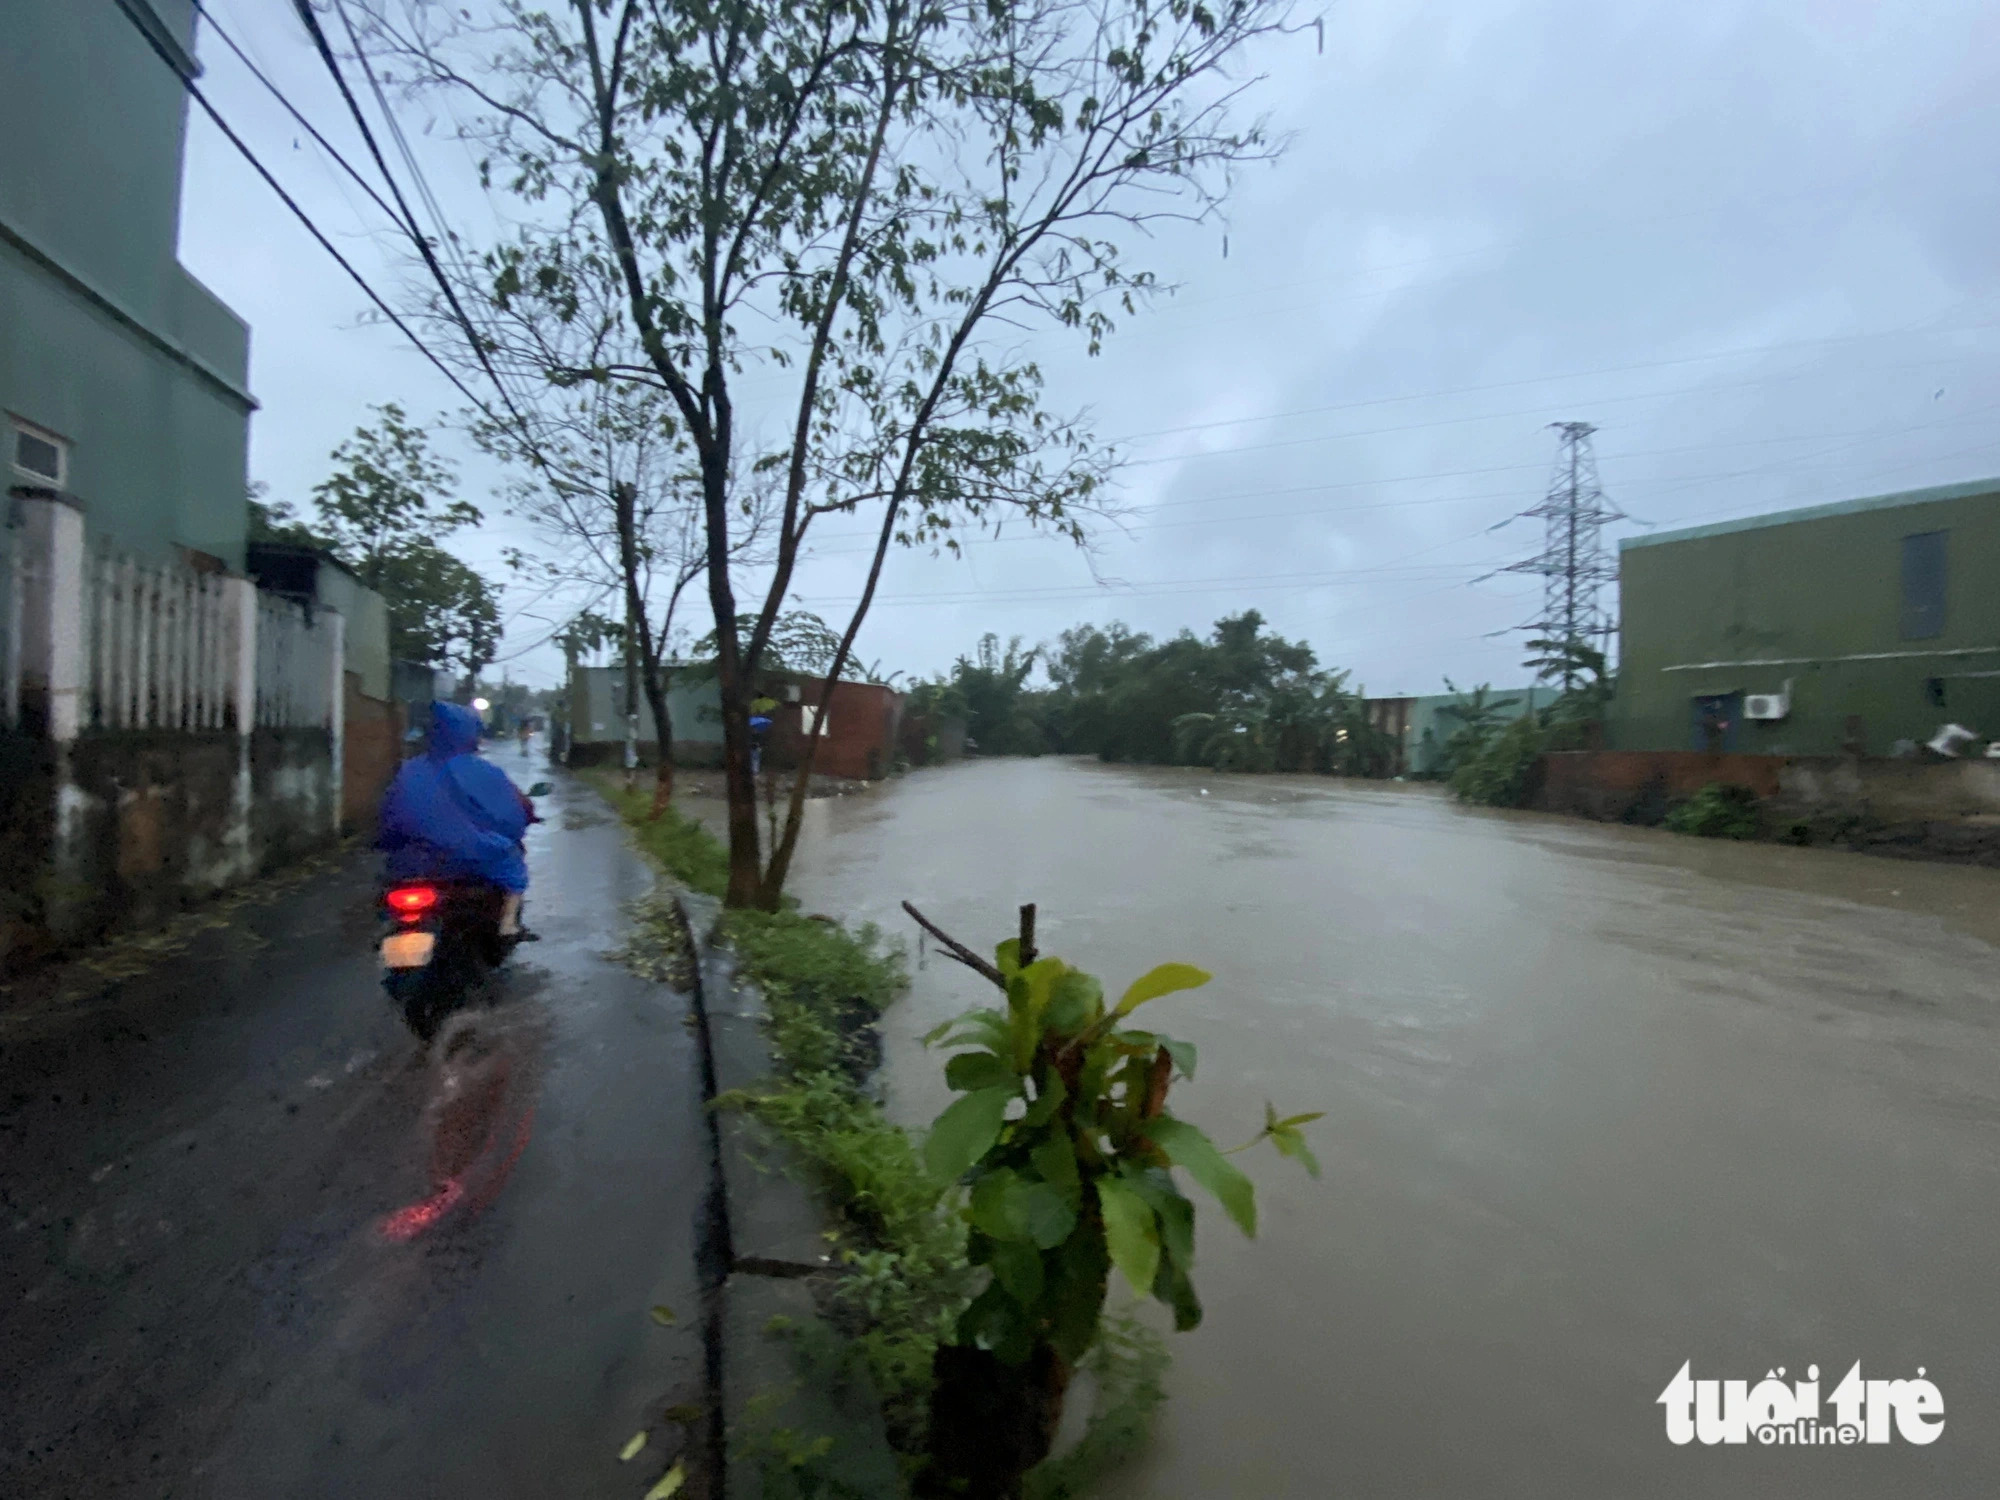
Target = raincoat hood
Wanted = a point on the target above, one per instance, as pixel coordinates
(450, 813)
(454, 730)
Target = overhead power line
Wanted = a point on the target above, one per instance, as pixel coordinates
(194, 92)
(407, 220)
(293, 110)
(1673, 486)
(1697, 389)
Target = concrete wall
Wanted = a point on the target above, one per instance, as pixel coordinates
(1431, 725)
(118, 818)
(27, 834)
(597, 718)
(1812, 597)
(860, 741)
(104, 339)
(120, 831)
(366, 616)
(1638, 785)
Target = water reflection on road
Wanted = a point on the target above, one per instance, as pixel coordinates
(1600, 1101)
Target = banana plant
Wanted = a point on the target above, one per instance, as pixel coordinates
(1064, 1143)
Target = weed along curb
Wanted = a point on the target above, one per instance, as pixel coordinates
(837, 1252)
(788, 1388)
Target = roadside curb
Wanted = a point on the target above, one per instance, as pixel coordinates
(779, 1375)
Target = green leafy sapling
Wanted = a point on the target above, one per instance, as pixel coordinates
(1064, 1141)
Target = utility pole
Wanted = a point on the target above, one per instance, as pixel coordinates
(1573, 563)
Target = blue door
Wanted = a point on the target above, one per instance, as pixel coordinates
(1717, 722)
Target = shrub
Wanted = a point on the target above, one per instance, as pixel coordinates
(1717, 811)
(686, 850)
(1503, 771)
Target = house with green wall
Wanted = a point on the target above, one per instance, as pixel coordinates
(1419, 727)
(1832, 629)
(123, 380)
(1433, 719)
(597, 716)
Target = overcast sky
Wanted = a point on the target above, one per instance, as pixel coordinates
(1753, 243)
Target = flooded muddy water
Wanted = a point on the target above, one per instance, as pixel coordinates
(1600, 1101)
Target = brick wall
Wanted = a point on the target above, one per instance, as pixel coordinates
(1633, 783)
(859, 741)
(372, 750)
(1607, 783)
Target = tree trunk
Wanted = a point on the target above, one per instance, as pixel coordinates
(663, 787)
(772, 894)
(663, 724)
(990, 1422)
(634, 623)
(642, 656)
(739, 786)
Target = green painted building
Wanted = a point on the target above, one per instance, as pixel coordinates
(1814, 632)
(597, 716)
(1432, 722)
(122, 378)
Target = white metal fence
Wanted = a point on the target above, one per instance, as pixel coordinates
(162, 641)
(294, 666)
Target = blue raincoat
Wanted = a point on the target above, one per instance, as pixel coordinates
(451, 815)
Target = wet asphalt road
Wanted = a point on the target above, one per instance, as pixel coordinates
(257, 1245)
(1599, 1101)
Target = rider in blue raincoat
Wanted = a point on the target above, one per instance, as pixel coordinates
(450, 814)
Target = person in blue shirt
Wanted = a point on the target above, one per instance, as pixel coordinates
(451, 814)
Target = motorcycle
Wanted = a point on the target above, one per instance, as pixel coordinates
(440, 939)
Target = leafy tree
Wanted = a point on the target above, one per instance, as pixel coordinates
(388, 492)
(383, 511)
(275, 521)
(441, 612)
(866, 203)
(616, 510)
(1586, 679)
(997, 710)
(1244, 699)
(1504, 771)
(1479, 716)
(800, 642)
(1361, 746)
(1500, 766)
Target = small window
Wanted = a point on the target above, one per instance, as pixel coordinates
(41, 456)
(1923, 585)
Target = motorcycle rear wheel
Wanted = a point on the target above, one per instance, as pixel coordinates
(422, 999)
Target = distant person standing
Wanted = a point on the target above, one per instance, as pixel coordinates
(527, 733)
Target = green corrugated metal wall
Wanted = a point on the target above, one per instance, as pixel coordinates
(1814, 597)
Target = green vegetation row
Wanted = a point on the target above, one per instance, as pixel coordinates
(1243, 699)
(1246, 699)
(903, 1236)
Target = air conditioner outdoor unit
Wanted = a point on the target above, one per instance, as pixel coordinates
(1765, 706)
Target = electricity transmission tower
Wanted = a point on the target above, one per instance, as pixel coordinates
(1573, 563)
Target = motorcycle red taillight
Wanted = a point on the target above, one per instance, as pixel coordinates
(410, 902)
